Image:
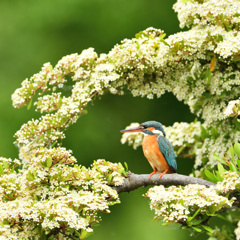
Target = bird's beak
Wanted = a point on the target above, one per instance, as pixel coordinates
(132, 130)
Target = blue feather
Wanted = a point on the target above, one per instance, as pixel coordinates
(167, 151)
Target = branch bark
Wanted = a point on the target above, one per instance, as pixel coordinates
(134, 181)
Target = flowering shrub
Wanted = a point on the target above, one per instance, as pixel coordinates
(55, 197)
(47, 193)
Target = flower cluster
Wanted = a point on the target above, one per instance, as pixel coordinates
(232, 109)
(188, 205)
(133, 139)
(212, 12)
(55, 193)
(230, 183)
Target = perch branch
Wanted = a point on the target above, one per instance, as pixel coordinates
(134, 181)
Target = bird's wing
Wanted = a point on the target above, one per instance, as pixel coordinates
(168, 152)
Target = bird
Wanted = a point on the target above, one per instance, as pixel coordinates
(156, 147)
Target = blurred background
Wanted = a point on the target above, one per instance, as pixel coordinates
(35, 32)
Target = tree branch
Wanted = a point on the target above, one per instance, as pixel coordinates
(134, 181)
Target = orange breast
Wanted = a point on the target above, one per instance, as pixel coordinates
(153, 154)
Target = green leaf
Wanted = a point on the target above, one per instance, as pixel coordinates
(43, 236)
(43, 164)
(218, 176)
(195, 222)
(237, 123)
(221, 169)
(193, 216)
(219, 159)
(121, 170)
(238, 163)
(210, 176)
(232, 167)
(34, 173)
(236, 59)
(5, 164)
(126, 166)
(204, 134)
(35, 197)
(1, 170)
(237, 149)
(207, 95)
(231, 151)
(181, 201)
(125, 173)
(207, 228)
(77, 233)
(181, 149)
(109, 177)
(120, 165)
(196, 229)
(84, 234)
(164, 42)
(208, 75)
(220, 205)
(29, 104)
(141, 34)
(214, 131)
(30, 177)
(92, 61)
(49, 162)
(162, 36)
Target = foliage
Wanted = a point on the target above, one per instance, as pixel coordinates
(51, 195)
(226, 166)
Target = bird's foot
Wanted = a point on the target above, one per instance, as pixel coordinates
(161, 174)
(150, 175)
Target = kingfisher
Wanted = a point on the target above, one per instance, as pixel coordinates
(156, 148)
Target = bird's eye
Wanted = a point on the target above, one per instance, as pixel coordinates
(142, 127)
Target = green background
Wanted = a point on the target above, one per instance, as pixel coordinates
(33, 32)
